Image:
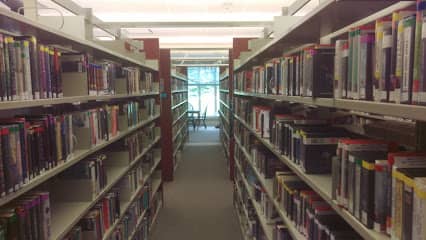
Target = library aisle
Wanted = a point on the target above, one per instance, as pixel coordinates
(198, 203)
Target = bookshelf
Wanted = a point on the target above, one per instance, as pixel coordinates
(108, 135)
(180, 123)
(365, 114)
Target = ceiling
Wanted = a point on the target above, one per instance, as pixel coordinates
(185, 10)
(183, 24)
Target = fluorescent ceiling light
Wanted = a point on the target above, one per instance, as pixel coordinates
(186, 17)
(307, 8)
(185, 10)
(49, 8)
(105, 38)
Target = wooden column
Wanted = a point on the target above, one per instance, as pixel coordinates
(166, 116)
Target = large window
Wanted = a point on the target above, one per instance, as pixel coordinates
(203, 87)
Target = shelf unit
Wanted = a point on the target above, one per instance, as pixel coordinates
(267, 229)
(329, 17)
(62, 223)
(180, 135)
(66, 213)
(124, 206)
(320, 184)
(330, 21)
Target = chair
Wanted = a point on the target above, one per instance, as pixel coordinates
(202, 118)
(191, 118)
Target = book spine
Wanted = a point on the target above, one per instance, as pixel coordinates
(408, 58)
(35, 83)
(27, 70)
(13, 68)
(48, 55)
(365, 65)
(19, 70)
(380, 194)
(42, 72)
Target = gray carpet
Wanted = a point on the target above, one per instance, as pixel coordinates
(198, 203)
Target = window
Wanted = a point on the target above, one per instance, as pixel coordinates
(203, 89)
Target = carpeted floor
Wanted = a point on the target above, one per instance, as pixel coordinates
(198, 203)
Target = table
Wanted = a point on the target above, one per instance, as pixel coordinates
(191, 116)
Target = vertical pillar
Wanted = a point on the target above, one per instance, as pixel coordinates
(30, 9)
(88, 26)
(166, 116)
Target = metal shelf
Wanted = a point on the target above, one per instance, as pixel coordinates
(405, 111)
(266, 227)
(65, 223)
(224, 90)
(67, 100)
(126, 205)
(181, 116)
(224, 77)
(224, 104)
(368, 19)
(268, 187)
(179, 104)
(15, 24)
(328, 17)
(179, 77)
(143, 215)
(179, 132)
(223, 116)
(180, 91)
(76, 157)
(322, 185)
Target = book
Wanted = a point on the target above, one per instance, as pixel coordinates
(396, 161)
(419, 227)
(381, 187)
(408, 25)
(318, 69)
(419, 55)
(339, 69)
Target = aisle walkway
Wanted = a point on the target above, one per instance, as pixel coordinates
(198, 203)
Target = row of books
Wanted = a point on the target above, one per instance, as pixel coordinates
(135, 81)
(224, 84)
(28, 217)
(129, 149)
(379, 61)
(311, 215)
(291, 193)
(178, 84)
(242, 201)
(88, 175)
(178, 98)
(107, 211)
(30, 70)
(224, 97)
(95, 126)
(307, 72)
(359, 167)
(382, 187)
(177, 112)
(32, 145)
